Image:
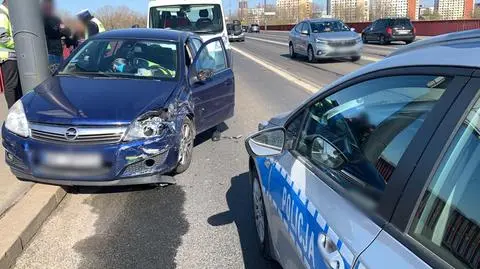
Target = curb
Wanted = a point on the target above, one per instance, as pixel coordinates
(24, 219)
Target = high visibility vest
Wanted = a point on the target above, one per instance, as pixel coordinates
(99, 24)
(7, 45)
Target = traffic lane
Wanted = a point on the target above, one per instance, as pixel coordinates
(320, 73)
(372, 47)
(205, 221)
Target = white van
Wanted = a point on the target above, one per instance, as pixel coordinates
(203, 17)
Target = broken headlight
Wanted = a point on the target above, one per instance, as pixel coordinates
(151, 125)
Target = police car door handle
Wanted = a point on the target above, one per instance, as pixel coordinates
(329, 251)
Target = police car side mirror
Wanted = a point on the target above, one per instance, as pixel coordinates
(325, 153)
(267, 142)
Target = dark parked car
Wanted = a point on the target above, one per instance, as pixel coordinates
(254, 28)
(387, 30)
(245, 28)
(124, 109)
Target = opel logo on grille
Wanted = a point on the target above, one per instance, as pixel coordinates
(71, 134)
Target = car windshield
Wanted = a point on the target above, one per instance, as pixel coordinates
(328, 26)
(201, 19)
(141, 59)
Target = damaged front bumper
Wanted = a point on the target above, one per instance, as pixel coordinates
(126, 163)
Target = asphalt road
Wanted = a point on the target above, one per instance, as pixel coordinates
(205, 221)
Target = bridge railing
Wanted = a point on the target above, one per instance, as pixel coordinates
(423, 28)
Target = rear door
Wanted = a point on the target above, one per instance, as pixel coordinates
(213, 97)
(334, 188)
(437, 221)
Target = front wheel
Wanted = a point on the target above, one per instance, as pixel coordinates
(185, 149)
(355, 58)
(261, 223)
(311, 55)
(291, 51)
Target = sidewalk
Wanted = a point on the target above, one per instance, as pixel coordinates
(11, 189)
(23, 207)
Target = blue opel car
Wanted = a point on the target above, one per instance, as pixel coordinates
(124, 109)
(381, 169)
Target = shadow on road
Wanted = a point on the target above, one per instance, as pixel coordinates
(304, 59)
(240, 212)
(208, 134)
(145, 233)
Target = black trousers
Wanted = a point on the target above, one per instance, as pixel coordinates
(11, 82)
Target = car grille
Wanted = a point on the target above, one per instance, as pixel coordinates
(77, 134)
(342, 43)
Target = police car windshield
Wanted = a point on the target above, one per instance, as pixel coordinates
(201, 18)
(139, 59)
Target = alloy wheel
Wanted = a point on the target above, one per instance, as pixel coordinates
(186, 144)
(258, 210)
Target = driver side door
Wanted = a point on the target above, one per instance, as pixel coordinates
(213, 85)
(331, 190)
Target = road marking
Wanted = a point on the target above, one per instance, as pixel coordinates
(281, 72)
(368, 58)
(268, 41)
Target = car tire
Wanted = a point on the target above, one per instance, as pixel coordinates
(185, 149)
(258, 206)
(291, 51)
(355, 58)
(311, 55)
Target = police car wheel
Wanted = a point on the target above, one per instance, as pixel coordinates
(260, 218)
(185, 149)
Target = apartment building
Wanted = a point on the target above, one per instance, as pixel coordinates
(454, 9)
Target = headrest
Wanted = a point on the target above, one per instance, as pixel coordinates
(203, 13)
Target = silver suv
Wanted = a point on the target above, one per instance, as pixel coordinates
(323, 39)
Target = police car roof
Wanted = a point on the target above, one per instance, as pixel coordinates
(144, 33)
(460, 49)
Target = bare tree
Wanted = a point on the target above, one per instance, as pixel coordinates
(120, 17)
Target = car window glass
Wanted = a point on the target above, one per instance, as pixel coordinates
(298, 28)
(197, 43)
(448, 218)
(212, 57)
(293, 129)
(402, 23)
(305, 27)
(370, 125)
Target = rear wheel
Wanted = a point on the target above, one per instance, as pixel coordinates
(382, 40)
(311, 55)
(261, 223)
(291, 51)
(186, 146)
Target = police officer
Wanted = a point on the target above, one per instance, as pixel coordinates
(92, 25)
(8, 59)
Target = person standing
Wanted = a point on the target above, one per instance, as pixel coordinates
(8, 58)
(92, 25)
(55, 30)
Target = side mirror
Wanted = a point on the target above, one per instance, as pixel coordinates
(304, 32)
(268, 142)
(352, 29)
(324, 152)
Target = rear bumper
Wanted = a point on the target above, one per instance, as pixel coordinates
(236, 37)
(402, 38)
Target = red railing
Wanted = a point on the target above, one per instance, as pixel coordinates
(424, 28)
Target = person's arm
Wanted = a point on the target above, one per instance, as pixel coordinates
(6, 34)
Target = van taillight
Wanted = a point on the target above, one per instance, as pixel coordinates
(389, 30)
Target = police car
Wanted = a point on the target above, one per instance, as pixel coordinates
(379, 170)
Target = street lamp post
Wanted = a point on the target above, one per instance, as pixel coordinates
(30, 42)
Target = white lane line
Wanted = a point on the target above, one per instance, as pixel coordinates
(268, 41)
(368, 58)
(281, 72)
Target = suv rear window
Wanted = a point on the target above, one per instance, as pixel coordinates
(401, 23)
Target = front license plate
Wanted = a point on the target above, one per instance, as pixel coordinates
(72, 160)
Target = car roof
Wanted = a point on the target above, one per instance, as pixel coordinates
(321, 20)
(456, 50)
(144, 33)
